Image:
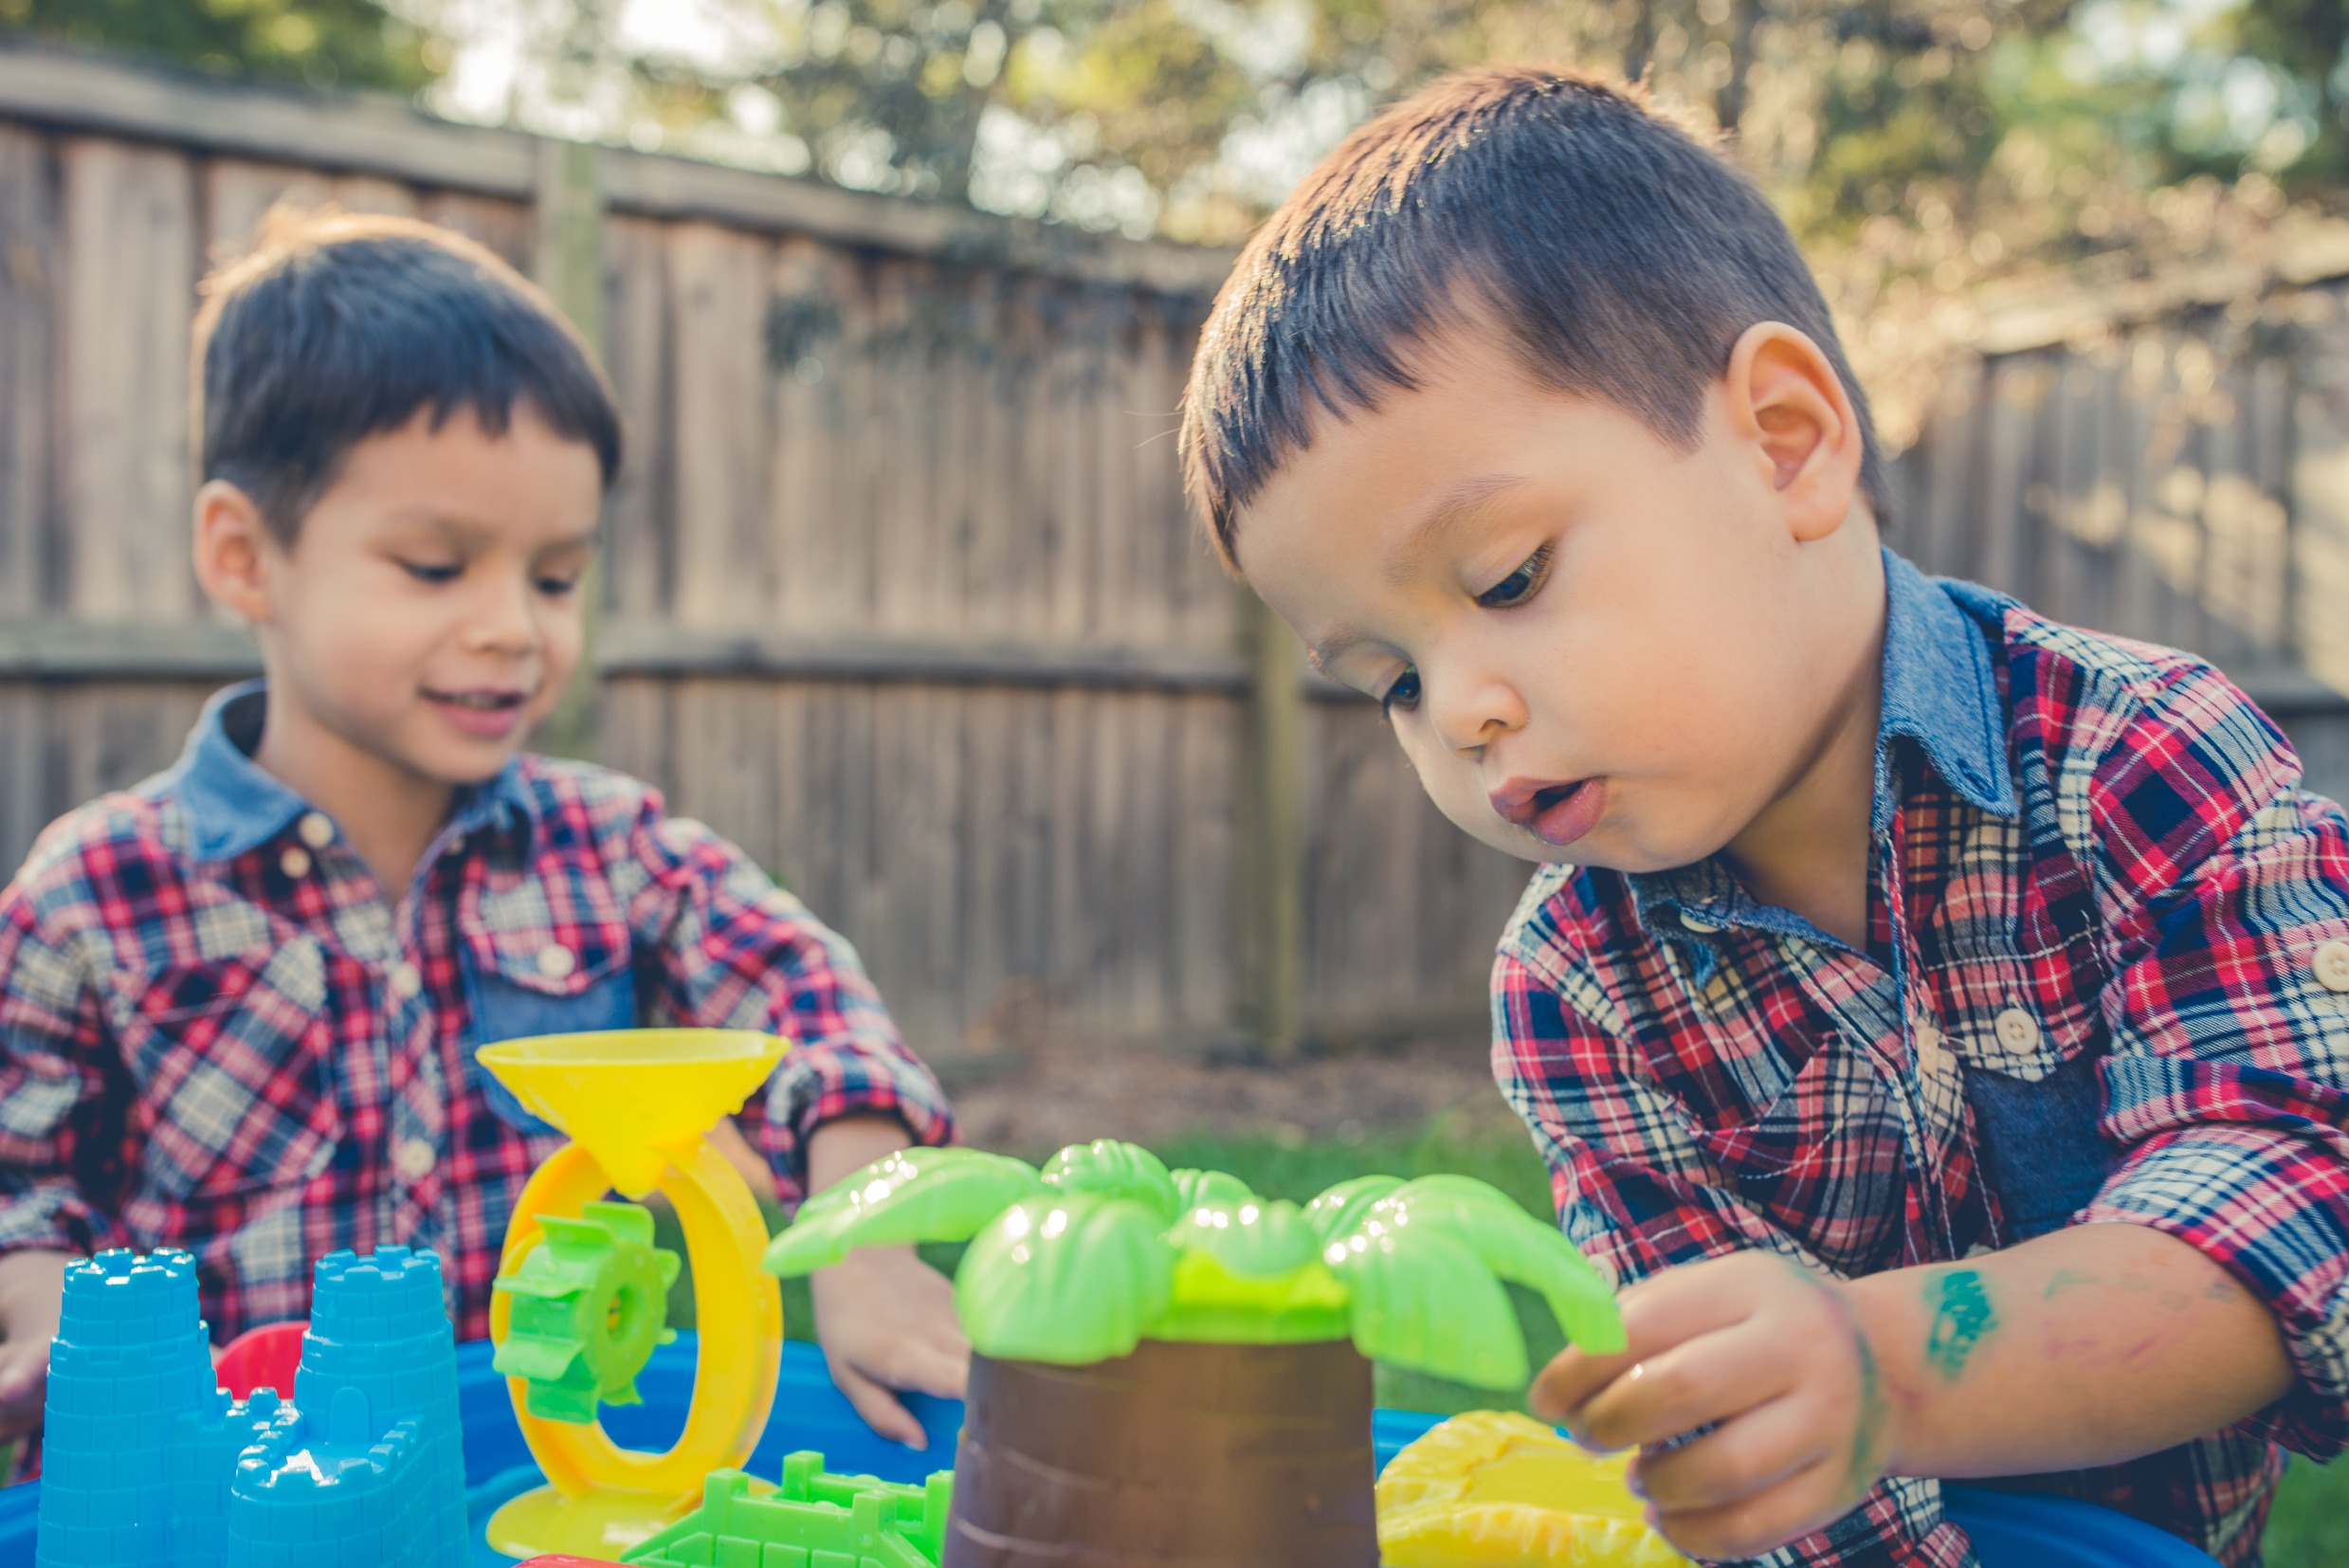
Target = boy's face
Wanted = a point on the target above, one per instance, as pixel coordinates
(1594, 645)
(428, 611)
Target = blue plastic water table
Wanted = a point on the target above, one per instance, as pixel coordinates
(2009, 1531)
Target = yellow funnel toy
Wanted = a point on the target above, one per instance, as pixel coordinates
(1494, 1491)
(637, 1105)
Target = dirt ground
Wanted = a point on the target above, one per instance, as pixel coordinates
(1034, 1101)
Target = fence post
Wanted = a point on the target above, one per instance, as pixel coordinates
(1273, 875)
(567, 261)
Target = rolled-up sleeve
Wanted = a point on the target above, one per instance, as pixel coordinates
(737, 952)
(2228, 1088)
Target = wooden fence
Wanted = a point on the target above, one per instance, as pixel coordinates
(900, 592)
(2171, 465)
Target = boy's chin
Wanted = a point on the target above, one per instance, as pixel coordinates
(463, 766)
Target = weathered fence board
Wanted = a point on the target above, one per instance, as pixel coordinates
(2183, 480)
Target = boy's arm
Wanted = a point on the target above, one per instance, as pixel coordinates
(52, 1098)
(2085, 1346)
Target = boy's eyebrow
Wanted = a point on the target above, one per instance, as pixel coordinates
(463, 531)
(1459, 502)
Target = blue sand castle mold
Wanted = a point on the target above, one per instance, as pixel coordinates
(814, 1519)
(147, 1462)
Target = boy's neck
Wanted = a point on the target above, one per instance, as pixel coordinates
(1809, 849)
(388, 814)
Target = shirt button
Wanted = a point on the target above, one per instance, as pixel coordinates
(555, 960)
(2018, 1032)
(2332, 966)
(1931, 1059)
(413, 1159)
(1697, 924)
(317, 829)
(295, 862)
(406, 979)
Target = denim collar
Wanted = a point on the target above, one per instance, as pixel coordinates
(1940, 693)
(234, 805)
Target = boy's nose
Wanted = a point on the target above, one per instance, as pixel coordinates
(1470, 715)
(501, 621)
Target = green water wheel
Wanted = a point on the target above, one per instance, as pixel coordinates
(589, 1303)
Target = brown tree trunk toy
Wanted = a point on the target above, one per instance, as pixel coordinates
(1180, 1455)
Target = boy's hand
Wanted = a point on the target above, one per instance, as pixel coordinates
(32, 1294)
(887, 1321)
(1775, 1360)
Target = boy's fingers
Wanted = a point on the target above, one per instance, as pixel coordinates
(1713, 1377)
(1741, 1459)
(23, 1368)
(934, 1368)
(880, 1408)
(1657, 1315)
(1793, 1507)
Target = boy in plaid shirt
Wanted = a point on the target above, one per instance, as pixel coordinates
(239, 1003)
(1936, 1019)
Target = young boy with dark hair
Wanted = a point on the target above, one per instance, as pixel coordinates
(239, 1002)
(1935, 1019)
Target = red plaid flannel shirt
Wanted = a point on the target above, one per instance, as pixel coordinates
(2106, 983)
(216, 1035)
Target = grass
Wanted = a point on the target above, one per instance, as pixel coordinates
(2310, 1528)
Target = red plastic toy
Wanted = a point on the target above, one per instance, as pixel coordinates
(267, 1356)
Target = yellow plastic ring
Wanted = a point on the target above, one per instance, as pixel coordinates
(739, 1308)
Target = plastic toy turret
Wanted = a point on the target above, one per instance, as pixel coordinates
(129, 1362)
(380, 1331)
(852, 1520)
(149, 1464)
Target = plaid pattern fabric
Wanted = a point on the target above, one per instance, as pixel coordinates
(217, 1034)
(2093, 993)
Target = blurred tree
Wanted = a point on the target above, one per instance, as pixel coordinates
(1924, 150)
(323, 43)
(2308, 39)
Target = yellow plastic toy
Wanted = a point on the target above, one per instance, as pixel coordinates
(1489, 1490)
(637, 1105)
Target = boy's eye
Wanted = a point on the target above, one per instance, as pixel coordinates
(554, 587)
(431, 571)
(1403, 693)
(1520, 585)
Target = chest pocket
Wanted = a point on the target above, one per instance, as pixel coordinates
(514, 997)
(232, 1058)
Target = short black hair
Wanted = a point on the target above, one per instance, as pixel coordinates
(338, 326)
(1619, 257)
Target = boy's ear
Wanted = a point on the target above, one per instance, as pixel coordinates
(1785, 400)
(232, 550)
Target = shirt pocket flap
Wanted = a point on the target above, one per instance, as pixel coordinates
(520, 994)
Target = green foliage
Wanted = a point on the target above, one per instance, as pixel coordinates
(1081, 1275)
(321, 42)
